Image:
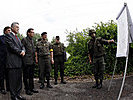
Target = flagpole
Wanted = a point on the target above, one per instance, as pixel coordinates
(125, 4)
(112, 75)
(123, 78)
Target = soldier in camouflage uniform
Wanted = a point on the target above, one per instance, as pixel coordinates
(29, 62)
(45, 52)
(96, 56)
(58, 52)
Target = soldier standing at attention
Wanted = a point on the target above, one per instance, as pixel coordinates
(96, 56)
(29, 62)
(58, 52)
(45, 52)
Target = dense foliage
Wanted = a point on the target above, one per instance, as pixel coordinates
(78, 63)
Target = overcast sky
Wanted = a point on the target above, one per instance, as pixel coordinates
(55, 16)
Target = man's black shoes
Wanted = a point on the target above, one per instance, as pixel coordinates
(99, 86)
(41, 86)
(49, 86)
(34, 91)
(3, 92)
(21, 98)
(55, 83)
(14, 98)
(63, 82)
(95, 86)
(28, 92)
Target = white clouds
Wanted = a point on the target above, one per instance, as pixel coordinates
(55, 16)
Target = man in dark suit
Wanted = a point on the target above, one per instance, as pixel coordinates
(3, 71)
(15, 52)
(29, 62)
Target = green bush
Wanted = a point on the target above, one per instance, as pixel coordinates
(77, 63)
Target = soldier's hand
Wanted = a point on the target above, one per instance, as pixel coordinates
(111, 40)
(52, 61)
(90, 62)
(36, 61)
(22, 53)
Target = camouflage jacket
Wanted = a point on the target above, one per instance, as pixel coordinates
(43, 48)
(58, 49)
(96, 48)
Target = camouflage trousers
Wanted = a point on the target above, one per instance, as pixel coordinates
(99, 67)
(45, 68)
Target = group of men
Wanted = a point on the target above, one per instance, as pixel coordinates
(22, 55)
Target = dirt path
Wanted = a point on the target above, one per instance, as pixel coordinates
(81, 90)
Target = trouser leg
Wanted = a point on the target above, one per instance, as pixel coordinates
(62, 72)
(7, 79)
(15, 81)
(26, 77)
(101, 72)
(95, 71)
(31, 77)
(56, 71)
(42, 69)
(2, 77)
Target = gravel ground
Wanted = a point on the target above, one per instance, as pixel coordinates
(81, 90)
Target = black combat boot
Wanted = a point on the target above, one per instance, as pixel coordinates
(48, 84)
(62, 81)
(100, 85)
(28, 92)
(3, 91)
(42, 86)
(96, 85)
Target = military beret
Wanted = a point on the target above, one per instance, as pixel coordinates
(57, 37)
(43, 33)
(91, 31)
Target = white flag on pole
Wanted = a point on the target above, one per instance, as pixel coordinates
(125, 32)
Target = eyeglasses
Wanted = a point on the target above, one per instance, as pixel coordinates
(31, 32)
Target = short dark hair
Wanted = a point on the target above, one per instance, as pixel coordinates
(28, 31)
(7, 27)
(14, 23)
(43, 33)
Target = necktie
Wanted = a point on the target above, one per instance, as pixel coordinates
(16, 36)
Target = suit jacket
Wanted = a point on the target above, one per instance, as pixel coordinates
(3, 52)
(14, 48)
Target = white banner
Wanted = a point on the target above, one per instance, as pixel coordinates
(122, 34)
(130, 26)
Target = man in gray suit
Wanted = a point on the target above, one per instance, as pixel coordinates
(15, 52)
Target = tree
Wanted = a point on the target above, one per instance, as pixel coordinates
(36, 37)
(77, 63)
(77, 48)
